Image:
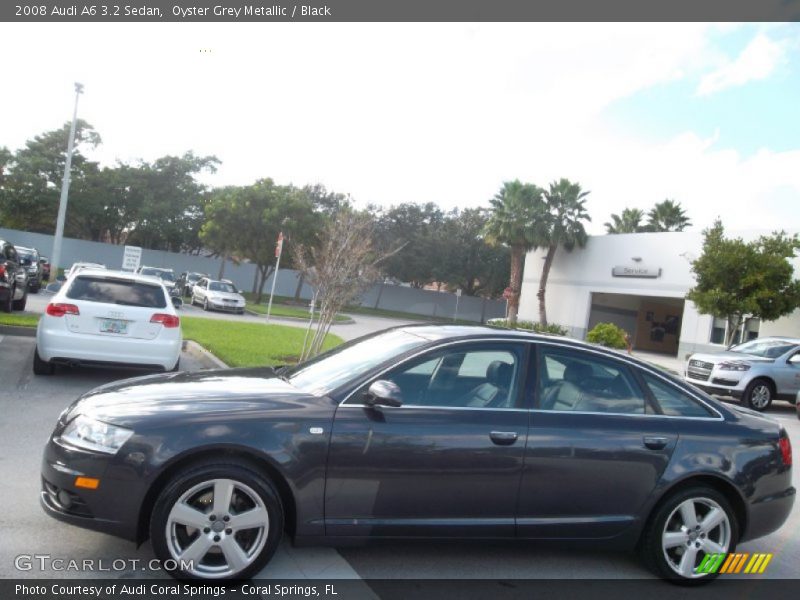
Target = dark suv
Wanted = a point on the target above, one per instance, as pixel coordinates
(13, 279)
(29, 259)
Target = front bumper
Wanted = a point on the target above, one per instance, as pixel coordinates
(225, 307)
(112, 508)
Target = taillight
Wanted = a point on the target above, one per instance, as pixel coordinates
(165, 320)
(58, 309)
(785, 447)
(2, 271)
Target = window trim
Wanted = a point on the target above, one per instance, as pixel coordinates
(523, 378)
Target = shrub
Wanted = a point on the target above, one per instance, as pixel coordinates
(536, 327)
(607, 334)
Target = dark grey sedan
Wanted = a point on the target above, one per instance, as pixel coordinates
(420, 432)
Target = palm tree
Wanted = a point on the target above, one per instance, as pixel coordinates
(629, 222)
(518, 213)
(667, 216)
(564, 227)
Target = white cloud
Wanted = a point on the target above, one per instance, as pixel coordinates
(757, 61)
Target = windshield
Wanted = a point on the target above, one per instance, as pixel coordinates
(765, 348)
(348, 361)
(218, 286)
(194, 276)
(26, 257)
(116, 291)
(166, 275)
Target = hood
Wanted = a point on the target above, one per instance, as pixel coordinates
(225, 295)
(187, 395)
(719, 357)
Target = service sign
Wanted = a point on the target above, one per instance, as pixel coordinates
(637, 271)
(131, 258)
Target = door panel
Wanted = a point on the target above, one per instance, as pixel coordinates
(595, 449)
(446, 463)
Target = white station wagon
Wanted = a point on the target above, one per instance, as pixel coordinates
(109, 318)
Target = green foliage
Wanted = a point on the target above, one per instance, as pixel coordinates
(664, 216)
(535, 326)
(18, 320)
(607, 334)
(739, 280)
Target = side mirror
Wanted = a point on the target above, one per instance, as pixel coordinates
(384, 393)
(176, 301)
(795, 360)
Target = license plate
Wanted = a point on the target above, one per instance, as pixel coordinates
(113, 326)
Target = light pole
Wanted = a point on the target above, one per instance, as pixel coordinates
(62, 203)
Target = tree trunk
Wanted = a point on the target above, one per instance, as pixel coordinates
(299, 287)
(733, 326)
(223, 258)
(548, 262)
(517, 258)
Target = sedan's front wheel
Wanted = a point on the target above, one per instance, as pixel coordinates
(690, 526)
(217, 521)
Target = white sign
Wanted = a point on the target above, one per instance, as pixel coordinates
(647, 272)
(131, 258)
(458, 292)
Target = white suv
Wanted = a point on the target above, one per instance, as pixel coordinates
(109, 318)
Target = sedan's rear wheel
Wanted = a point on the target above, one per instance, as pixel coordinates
(217, 521)
(8, 303)
(691, 525)
(758, 395)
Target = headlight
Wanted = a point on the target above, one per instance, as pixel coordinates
(734, 366)
(88, 433)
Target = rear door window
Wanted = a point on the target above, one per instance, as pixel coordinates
(117, 291)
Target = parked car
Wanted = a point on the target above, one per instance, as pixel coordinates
(108, 318)
(167, 276)
(755, 372)
(13, 279)
(186, 281)
(29, 259)
(78, 266)
(45, 262)
(218, 295)
(420, 432)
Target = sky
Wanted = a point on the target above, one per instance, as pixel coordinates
(705, 114)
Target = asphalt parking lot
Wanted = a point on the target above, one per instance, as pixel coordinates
(30, 406)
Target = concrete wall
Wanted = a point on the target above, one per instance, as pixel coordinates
(576, 275)
(388, 297)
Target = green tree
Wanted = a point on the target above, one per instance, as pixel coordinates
(562, 226)
(741, 280)
(667, 216)
(629, 222)
(518, 220)
(32, 178)
(464, 259)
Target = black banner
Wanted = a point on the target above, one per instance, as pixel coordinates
(400, 10)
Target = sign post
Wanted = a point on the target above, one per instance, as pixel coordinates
(458, 297)
(131, 258)
(278, 252)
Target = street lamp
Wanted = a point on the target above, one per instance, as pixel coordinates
(62, 203)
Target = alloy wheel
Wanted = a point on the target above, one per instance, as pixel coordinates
(695, 528)
(760, 396)
(220, 526)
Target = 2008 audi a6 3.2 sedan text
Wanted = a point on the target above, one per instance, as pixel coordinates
(422, 432)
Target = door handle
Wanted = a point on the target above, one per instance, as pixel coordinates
(655, 442)
(503, 438)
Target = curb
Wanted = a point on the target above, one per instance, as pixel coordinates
(349, 321)
(203, 355)
(17, 330)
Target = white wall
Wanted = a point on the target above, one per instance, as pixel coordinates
(575, 275)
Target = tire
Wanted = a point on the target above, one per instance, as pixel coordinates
(205, 304)
(217, 551)
(664, 553)
(758, 395)
(41, 367)
(8, 302)
(22, 302)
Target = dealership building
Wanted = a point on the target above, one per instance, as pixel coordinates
(638, 281)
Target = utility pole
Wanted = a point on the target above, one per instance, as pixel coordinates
(62, 204)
